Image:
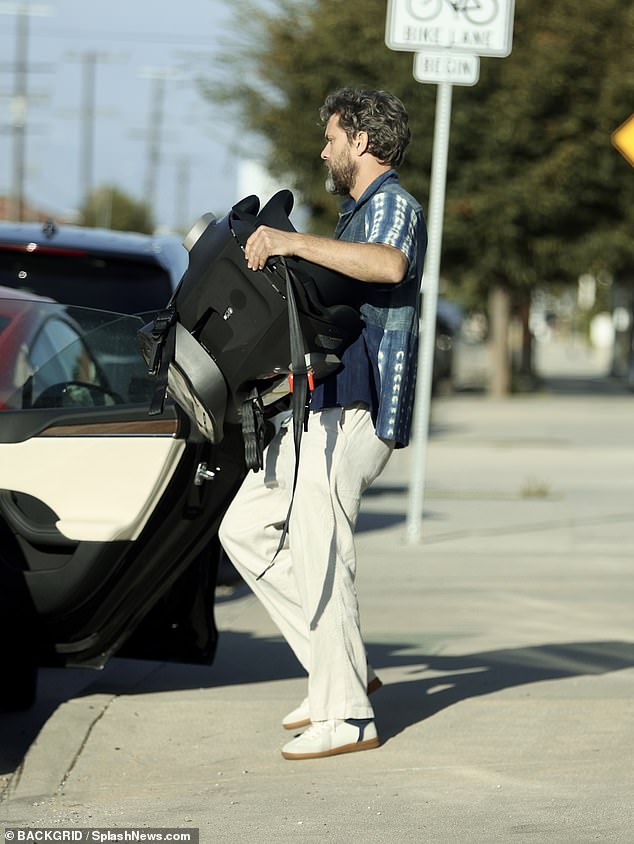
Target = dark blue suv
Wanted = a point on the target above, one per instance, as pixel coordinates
(95, 268)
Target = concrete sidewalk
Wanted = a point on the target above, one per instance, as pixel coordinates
(505, 641)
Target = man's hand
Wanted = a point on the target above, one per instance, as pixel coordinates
(371, 262)
(266, 242)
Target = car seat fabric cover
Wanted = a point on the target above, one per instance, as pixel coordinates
(239, 318)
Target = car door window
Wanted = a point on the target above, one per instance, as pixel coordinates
(60, 346)
(59, 356)
(65, 372)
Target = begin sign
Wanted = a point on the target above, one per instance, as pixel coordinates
(446, 66)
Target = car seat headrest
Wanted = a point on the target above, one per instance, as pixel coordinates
(247, 207)
(277, 210)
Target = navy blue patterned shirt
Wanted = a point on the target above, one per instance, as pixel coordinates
(379, 368)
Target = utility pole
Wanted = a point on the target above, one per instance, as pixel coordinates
(88, 114)
(19, 101)
(87, 123)
(158, 76)
(183, 181)
(18, 115)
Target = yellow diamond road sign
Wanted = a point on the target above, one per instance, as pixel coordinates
(623, 139)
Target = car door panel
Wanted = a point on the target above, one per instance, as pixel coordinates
(180, 532)
(108, 527)
(67, 576)
(103, 512)
(79, 492)
(101, 488)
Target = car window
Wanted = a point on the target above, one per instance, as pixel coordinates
(127, 285)
(112, 338)
(56, 356)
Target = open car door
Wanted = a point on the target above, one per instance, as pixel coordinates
(108, 517)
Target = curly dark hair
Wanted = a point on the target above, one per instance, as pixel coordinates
(379, 113)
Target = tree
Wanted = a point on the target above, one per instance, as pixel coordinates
(111, 208)
(286, 58)
(535, 192)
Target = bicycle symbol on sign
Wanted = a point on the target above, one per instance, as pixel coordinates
(478, 12)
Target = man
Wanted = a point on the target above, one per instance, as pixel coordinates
(357, 417)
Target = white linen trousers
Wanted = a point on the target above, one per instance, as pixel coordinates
(309, 591)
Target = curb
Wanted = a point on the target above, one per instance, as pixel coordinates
(54, 753)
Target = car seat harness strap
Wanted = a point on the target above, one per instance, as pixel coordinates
(163, 337)
(301, 382)
(253, 430)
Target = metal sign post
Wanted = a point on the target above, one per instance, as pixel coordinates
(431, 274)
(441, 32)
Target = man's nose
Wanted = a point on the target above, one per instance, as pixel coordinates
(324, 154)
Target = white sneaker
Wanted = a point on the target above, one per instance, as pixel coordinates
(300, 716)
(328, 738)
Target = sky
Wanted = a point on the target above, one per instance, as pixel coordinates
(134, 41)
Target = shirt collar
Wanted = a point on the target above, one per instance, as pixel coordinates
(349, 204)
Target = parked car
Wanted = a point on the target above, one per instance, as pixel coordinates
(448, 320)
(98, 269)
(107, 515)
(124, 272)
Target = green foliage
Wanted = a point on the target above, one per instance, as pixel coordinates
(535, 191)
(287, 59)
(111, 208)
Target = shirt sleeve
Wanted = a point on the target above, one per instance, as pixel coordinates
(390, 219)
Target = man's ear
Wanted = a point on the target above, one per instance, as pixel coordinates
(360, 143)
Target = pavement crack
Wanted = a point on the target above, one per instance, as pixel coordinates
(83, 744)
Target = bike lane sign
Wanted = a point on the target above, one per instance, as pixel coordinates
(479, 27)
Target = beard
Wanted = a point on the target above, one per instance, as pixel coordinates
(341, 175)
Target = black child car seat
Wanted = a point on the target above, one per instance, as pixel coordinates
(229, 337)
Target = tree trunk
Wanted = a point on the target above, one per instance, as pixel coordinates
(525, 362)
(523, 368)
(499, 322)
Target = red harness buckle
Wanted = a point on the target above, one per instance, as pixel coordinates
(311, 381)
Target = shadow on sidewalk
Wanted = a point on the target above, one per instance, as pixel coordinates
(458, 678)
(243, 658)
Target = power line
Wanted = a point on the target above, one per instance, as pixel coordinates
(144, 37)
